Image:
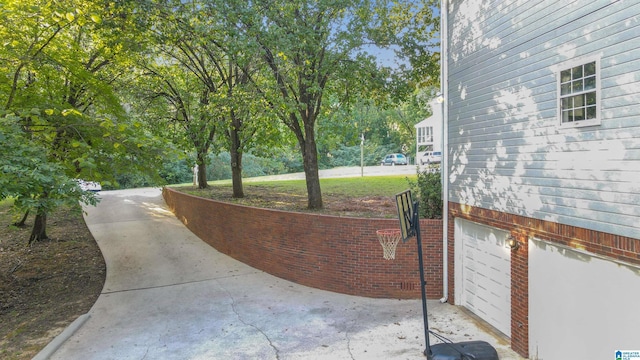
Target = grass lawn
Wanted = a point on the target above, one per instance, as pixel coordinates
(351, 187)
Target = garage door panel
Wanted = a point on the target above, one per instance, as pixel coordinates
(598, 312)
(486, 273)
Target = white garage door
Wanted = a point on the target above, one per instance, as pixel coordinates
(588, 301)
(484, 273)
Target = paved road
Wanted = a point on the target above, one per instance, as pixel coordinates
(168, 295)
(351, 171)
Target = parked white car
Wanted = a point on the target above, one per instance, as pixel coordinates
(89, 185)
(431, 157)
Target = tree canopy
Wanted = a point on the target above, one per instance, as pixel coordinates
(313, 49)
(61, 66)
(109, 91)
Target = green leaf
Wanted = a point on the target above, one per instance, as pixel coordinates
(67, 112)
(106, 124)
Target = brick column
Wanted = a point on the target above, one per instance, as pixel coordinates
(520, 295)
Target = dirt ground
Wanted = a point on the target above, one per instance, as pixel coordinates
(334, 204)
(45, 286)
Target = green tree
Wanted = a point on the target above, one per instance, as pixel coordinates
(197, 40)
(313, 47)
(34, 182)
(59, 64)
(412, 29)
(174, 95)
(394, 125)
(386, 127)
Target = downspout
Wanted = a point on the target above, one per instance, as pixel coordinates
(444, 165)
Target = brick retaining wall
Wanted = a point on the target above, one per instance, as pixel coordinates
(340, 254)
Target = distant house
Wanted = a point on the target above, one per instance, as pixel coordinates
(542, 126)
(429, 133)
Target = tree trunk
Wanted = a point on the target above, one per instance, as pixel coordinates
(236, 165)
(39, 231)
(202, 171)
(314, 194)
(236, 175)
(310, 163)
(22, 221)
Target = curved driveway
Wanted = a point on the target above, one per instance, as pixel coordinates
(169, 295)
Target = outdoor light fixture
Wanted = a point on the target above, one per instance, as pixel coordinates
(512, 243)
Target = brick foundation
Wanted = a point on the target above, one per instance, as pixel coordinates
(339, 254)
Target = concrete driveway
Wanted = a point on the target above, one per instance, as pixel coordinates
(168, 295)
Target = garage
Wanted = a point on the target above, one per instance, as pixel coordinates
(483, 273)
(591, 301)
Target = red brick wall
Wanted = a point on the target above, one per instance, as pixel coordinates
(520, 294)
(339, 254)
(451, 268)
(522, 228)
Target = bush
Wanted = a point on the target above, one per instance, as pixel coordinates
(219, 167)
(176, 172)
(253, 166)
(428, 188)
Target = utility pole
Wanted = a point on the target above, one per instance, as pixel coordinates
(362, 155)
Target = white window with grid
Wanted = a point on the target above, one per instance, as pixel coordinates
(425, 135)
(579, 93)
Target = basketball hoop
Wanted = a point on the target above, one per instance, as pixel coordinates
(389, 239)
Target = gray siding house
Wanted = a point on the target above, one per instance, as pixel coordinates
(542, 131)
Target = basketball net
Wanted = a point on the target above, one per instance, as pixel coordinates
(389, 239)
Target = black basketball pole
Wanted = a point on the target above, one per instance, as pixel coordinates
(416, 227)
(480, 350)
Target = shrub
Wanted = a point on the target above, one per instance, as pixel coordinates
(253, 166)
(176, 172)
(428, 188)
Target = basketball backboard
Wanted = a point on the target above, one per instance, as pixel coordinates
(404, 201)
